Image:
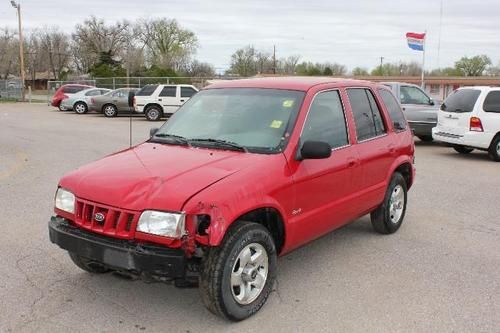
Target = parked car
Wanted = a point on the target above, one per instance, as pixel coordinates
(470, 119)
(419, 108)
(66, 91)
(113, 102)
(158, 100)
(246, 171)
(79, 102)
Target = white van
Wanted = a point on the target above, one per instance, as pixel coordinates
(158, 100)
(470, 119)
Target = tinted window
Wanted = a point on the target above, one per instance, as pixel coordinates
(73, 89)
(325, 121)
(413, 95)
(367, 116)
(187, 92)
(492, 102)
(397, 117)
(168, 91)
(147, 90)
(462, 100)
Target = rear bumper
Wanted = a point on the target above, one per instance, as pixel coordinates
(422, 128)
(480, 140)
(116, 253)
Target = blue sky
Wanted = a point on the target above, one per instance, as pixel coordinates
(354, 33)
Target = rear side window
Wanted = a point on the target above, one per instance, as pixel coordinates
(93, 93)
(326, 121)
(187, 92)
(367, 117)
(462, 100)
(147, 90)
(73, 89)
(397, 117)
(168, 91)
(492, 102)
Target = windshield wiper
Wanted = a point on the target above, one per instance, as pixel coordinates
(221, 143)
(176, 138)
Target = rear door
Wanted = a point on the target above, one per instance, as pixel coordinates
(375, 147)
(169, 98)
(456, 111)
(490, 113)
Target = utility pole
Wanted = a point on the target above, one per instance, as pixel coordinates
(381, 64)
(274, 59)
(21, 52)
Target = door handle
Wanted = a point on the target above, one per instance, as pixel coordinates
(182, 100)
(159, 99)
(351, 163)
(404, 109)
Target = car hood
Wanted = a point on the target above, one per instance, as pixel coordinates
(154, 176)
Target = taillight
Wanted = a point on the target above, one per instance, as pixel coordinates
(475, 125)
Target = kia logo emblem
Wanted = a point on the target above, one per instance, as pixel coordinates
(99, 217)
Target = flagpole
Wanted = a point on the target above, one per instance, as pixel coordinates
(423, 62)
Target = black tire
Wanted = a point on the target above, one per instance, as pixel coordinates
(88, 265)
(494, 150)
(425, 138)
(80, 108)
(217, 266)
(463, 150)
(109, 110)
(153, 113)
(382, 218)
(60, 107)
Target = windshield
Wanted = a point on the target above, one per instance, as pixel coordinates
(258, 120)
(462, 100)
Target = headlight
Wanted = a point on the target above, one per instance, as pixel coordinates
(162, 223)
(65, 200)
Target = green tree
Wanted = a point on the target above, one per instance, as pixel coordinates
(328, 71)
(360, 71)
(243, 62)
(474, 66)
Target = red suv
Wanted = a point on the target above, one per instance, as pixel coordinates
(244, 172)
(64, 91)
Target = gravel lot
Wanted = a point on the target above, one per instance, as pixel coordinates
(440, 272)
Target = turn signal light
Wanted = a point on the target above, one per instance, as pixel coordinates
(475, 125)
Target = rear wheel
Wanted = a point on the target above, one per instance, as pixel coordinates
(463, 150)
(87, 264)
(60, 107)
(388, 217)
(425, 138)
(80, 107)
(237, 277)
(153, 113)
(110, 110)
(494, 150)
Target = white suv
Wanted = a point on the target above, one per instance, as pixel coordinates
(157, 100)
(470, 119)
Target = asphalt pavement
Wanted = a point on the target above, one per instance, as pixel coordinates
(439, 273)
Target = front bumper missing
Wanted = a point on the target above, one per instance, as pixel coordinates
(117, 254)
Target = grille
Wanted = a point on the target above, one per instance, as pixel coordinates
(106, 220)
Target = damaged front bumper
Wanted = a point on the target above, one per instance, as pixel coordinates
(118, 254)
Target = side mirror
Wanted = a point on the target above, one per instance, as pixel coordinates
(431, 102)
(131, 95)
(313, 150)
(153, 131)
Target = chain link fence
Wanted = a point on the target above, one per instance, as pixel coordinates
(135, 82)
(10, 90)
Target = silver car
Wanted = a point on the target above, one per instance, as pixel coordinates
(80, 101)
(420, 110)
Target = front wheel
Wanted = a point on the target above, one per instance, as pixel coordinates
(494, 150)
(237, 277)
(388, 217)
(80, 107)
(463, 150)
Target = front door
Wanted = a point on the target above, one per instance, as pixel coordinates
(324, 187)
